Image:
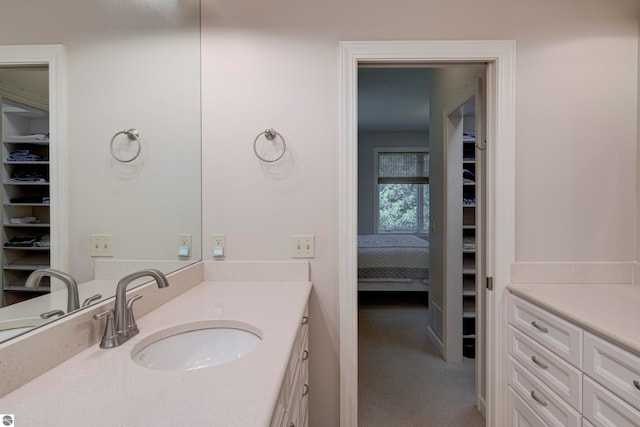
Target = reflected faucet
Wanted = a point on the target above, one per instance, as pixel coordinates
(125, 326)
(33, 281)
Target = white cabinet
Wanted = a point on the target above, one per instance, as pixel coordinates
(614, 368)
(520, 414)
(562, 375)
(292, 407)
(603, 408)
(547, 404)
(554, 333)
(25, 198)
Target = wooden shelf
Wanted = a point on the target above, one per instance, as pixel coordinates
(20, 261)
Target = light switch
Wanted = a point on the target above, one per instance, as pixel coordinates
(303, 246)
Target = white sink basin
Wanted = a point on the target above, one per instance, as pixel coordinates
(196, 346)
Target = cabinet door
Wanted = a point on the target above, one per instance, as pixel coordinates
(616, 369)
(554, 372)
(520, 414)
(603, 409)
(556, 334)
(548, 405)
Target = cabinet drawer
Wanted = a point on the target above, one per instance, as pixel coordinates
(548, 405)
(615, 368)
(603, 408)
(553, 371)
(520, 414)
(558, 335)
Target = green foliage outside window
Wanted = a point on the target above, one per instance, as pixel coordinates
(398, 208)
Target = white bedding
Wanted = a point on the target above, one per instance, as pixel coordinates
(396, 257)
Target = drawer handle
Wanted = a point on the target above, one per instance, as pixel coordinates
(637, 384)
(539, 363)
(538, 327)
(305, 320)
(305, 355)
(537, 399)
(305, 390)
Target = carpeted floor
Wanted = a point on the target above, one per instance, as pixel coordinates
(402, 379)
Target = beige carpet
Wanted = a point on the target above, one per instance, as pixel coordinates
(402, 380)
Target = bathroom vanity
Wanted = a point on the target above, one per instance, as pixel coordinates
(267, 386)
(574, 355)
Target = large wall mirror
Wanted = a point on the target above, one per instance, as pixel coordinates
(73, 174)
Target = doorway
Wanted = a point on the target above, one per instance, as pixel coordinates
(32, 128)
(408, 370)
(499, 57)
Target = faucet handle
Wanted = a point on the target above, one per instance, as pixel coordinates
(109, 338)
(91, 299)
(132, 327)
(50, 314)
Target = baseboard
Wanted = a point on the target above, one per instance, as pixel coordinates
(482, 406)
(574, 272)
(636, 273)
(435, 340)
(434, 329)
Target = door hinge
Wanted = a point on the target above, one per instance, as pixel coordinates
(490, 283)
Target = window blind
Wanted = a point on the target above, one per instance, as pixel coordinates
(403, 168)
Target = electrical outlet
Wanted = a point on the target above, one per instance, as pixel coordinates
(303, 246)
(218, 242)
(101, 245)
(184, 245)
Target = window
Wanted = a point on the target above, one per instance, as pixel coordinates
(402, 189)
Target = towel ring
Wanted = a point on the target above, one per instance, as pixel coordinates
(133, 135)
(270, 134)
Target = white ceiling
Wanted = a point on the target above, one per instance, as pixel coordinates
(393, 99)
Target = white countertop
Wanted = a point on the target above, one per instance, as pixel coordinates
(611, 311)
(105, 387)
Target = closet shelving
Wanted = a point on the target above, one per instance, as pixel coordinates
(25, 199)
(469, 246)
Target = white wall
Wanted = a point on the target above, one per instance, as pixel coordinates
(275, 63)
(127, 66)
(446, 84)
(367, 143)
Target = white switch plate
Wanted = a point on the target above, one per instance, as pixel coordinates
(101, 245)
(184, 245)
(303, 246)
(218, 242)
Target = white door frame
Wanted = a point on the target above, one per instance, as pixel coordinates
(500, 230)
(51, 55)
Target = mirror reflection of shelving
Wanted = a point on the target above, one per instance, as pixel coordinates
(25, 199)
(469, 244)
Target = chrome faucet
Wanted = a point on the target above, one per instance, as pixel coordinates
(33, 281)
(125, 327)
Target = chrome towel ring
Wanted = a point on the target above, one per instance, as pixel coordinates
(270, 134)
(133, 135)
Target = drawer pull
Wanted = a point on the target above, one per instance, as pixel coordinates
(305, 390)
(539, 363)
(538, 327)
(537, 399)
(305, 320)
(305, 355)
(637, 384)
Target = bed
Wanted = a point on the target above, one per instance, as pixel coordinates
(396, 262)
